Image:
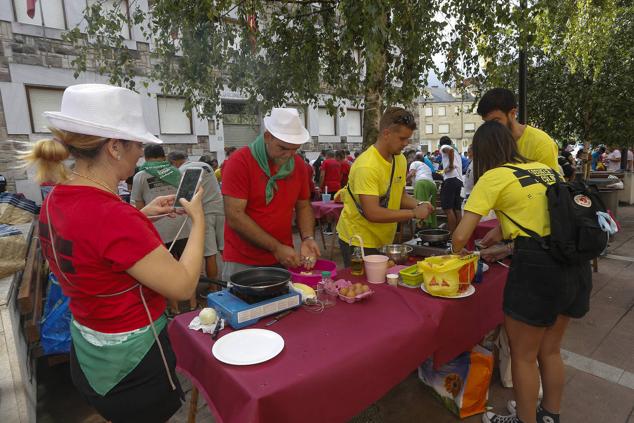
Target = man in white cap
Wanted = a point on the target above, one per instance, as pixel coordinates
(262, 184)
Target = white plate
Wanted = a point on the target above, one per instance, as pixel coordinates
(470, 291)
(248, 346)
(485, 267)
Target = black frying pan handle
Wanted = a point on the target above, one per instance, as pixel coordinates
(205, 279)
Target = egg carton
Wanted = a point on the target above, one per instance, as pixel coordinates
(342, 283)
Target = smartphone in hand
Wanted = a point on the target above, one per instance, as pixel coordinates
(190, 181)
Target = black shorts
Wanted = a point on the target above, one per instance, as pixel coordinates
(144, 395)
(450, 198)
(538, 288)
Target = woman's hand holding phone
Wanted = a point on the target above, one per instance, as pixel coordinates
(160, 207)
(194, 208)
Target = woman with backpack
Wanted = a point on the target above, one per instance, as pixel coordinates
(541, 294)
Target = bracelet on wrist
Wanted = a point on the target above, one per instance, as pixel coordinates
(305, 238)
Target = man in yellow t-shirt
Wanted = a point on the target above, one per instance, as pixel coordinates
(376, 198)
(499, 104)
(534, 144)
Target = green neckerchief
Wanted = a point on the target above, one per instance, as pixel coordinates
(107, 358)
(258, 150)
(164, 171)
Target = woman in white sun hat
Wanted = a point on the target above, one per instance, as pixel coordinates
(108, 257)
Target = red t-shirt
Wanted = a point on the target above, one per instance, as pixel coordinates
(242, 178)
(97, 238)
(345, 171)
(331, 169)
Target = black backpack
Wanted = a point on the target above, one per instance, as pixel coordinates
(575, 234)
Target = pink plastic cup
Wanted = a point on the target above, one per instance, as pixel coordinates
(375, 268)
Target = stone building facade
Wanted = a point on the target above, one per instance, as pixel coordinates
(445, 112)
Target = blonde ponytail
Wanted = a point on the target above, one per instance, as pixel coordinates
(48, 155)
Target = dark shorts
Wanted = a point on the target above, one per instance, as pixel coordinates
(538, 288)
(144, 395)
(450, 198)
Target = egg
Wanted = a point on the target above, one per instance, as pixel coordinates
(207, 316)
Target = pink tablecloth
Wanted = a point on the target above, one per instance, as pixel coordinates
(329, 209)
(337, 363)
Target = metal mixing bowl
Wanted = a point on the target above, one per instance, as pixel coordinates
(398, 253)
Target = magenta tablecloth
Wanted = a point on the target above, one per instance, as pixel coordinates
(337, 363)
(329, 209)
(459, 324)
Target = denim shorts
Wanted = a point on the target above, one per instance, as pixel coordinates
(539, 288)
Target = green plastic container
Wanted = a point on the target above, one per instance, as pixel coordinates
(411, 276)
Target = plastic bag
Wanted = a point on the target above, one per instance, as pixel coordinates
(448, 275)
(462, 385)
(55, 324)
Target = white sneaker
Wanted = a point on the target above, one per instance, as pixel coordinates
(490, 417)
(511, 406)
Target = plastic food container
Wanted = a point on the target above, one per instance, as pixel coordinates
(314, 277)
(448, 275)
(341, 283)
(411, 276)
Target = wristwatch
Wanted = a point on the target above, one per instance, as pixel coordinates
(305, 238)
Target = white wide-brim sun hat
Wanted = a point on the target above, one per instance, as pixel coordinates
(103, 111)
(285, 125)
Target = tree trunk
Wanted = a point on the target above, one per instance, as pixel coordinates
(376, 67)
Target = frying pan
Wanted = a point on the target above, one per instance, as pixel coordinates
(262, 282)
(433, 235)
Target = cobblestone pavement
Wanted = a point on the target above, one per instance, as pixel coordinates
(598, 351)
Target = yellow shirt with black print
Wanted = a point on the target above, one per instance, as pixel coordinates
(520, 197)
(370, 175)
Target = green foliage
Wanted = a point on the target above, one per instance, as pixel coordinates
(581, 69)
(370, 52)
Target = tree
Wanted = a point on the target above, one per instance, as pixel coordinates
(374, 53)
(581, 70)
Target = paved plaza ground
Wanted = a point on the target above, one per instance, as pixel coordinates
(598, 351)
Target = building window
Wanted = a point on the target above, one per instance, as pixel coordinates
(469, 127)
(442, 111)
(429, 129)
(50, 13)
(40, 100)
(429, 111)
(119, 7)
(354, 121)
(327, 125)
(172, 119)
(443, 128)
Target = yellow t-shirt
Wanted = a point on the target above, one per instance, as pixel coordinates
(523, 199)
(218, 174)
(370, 175)
(536, 145)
